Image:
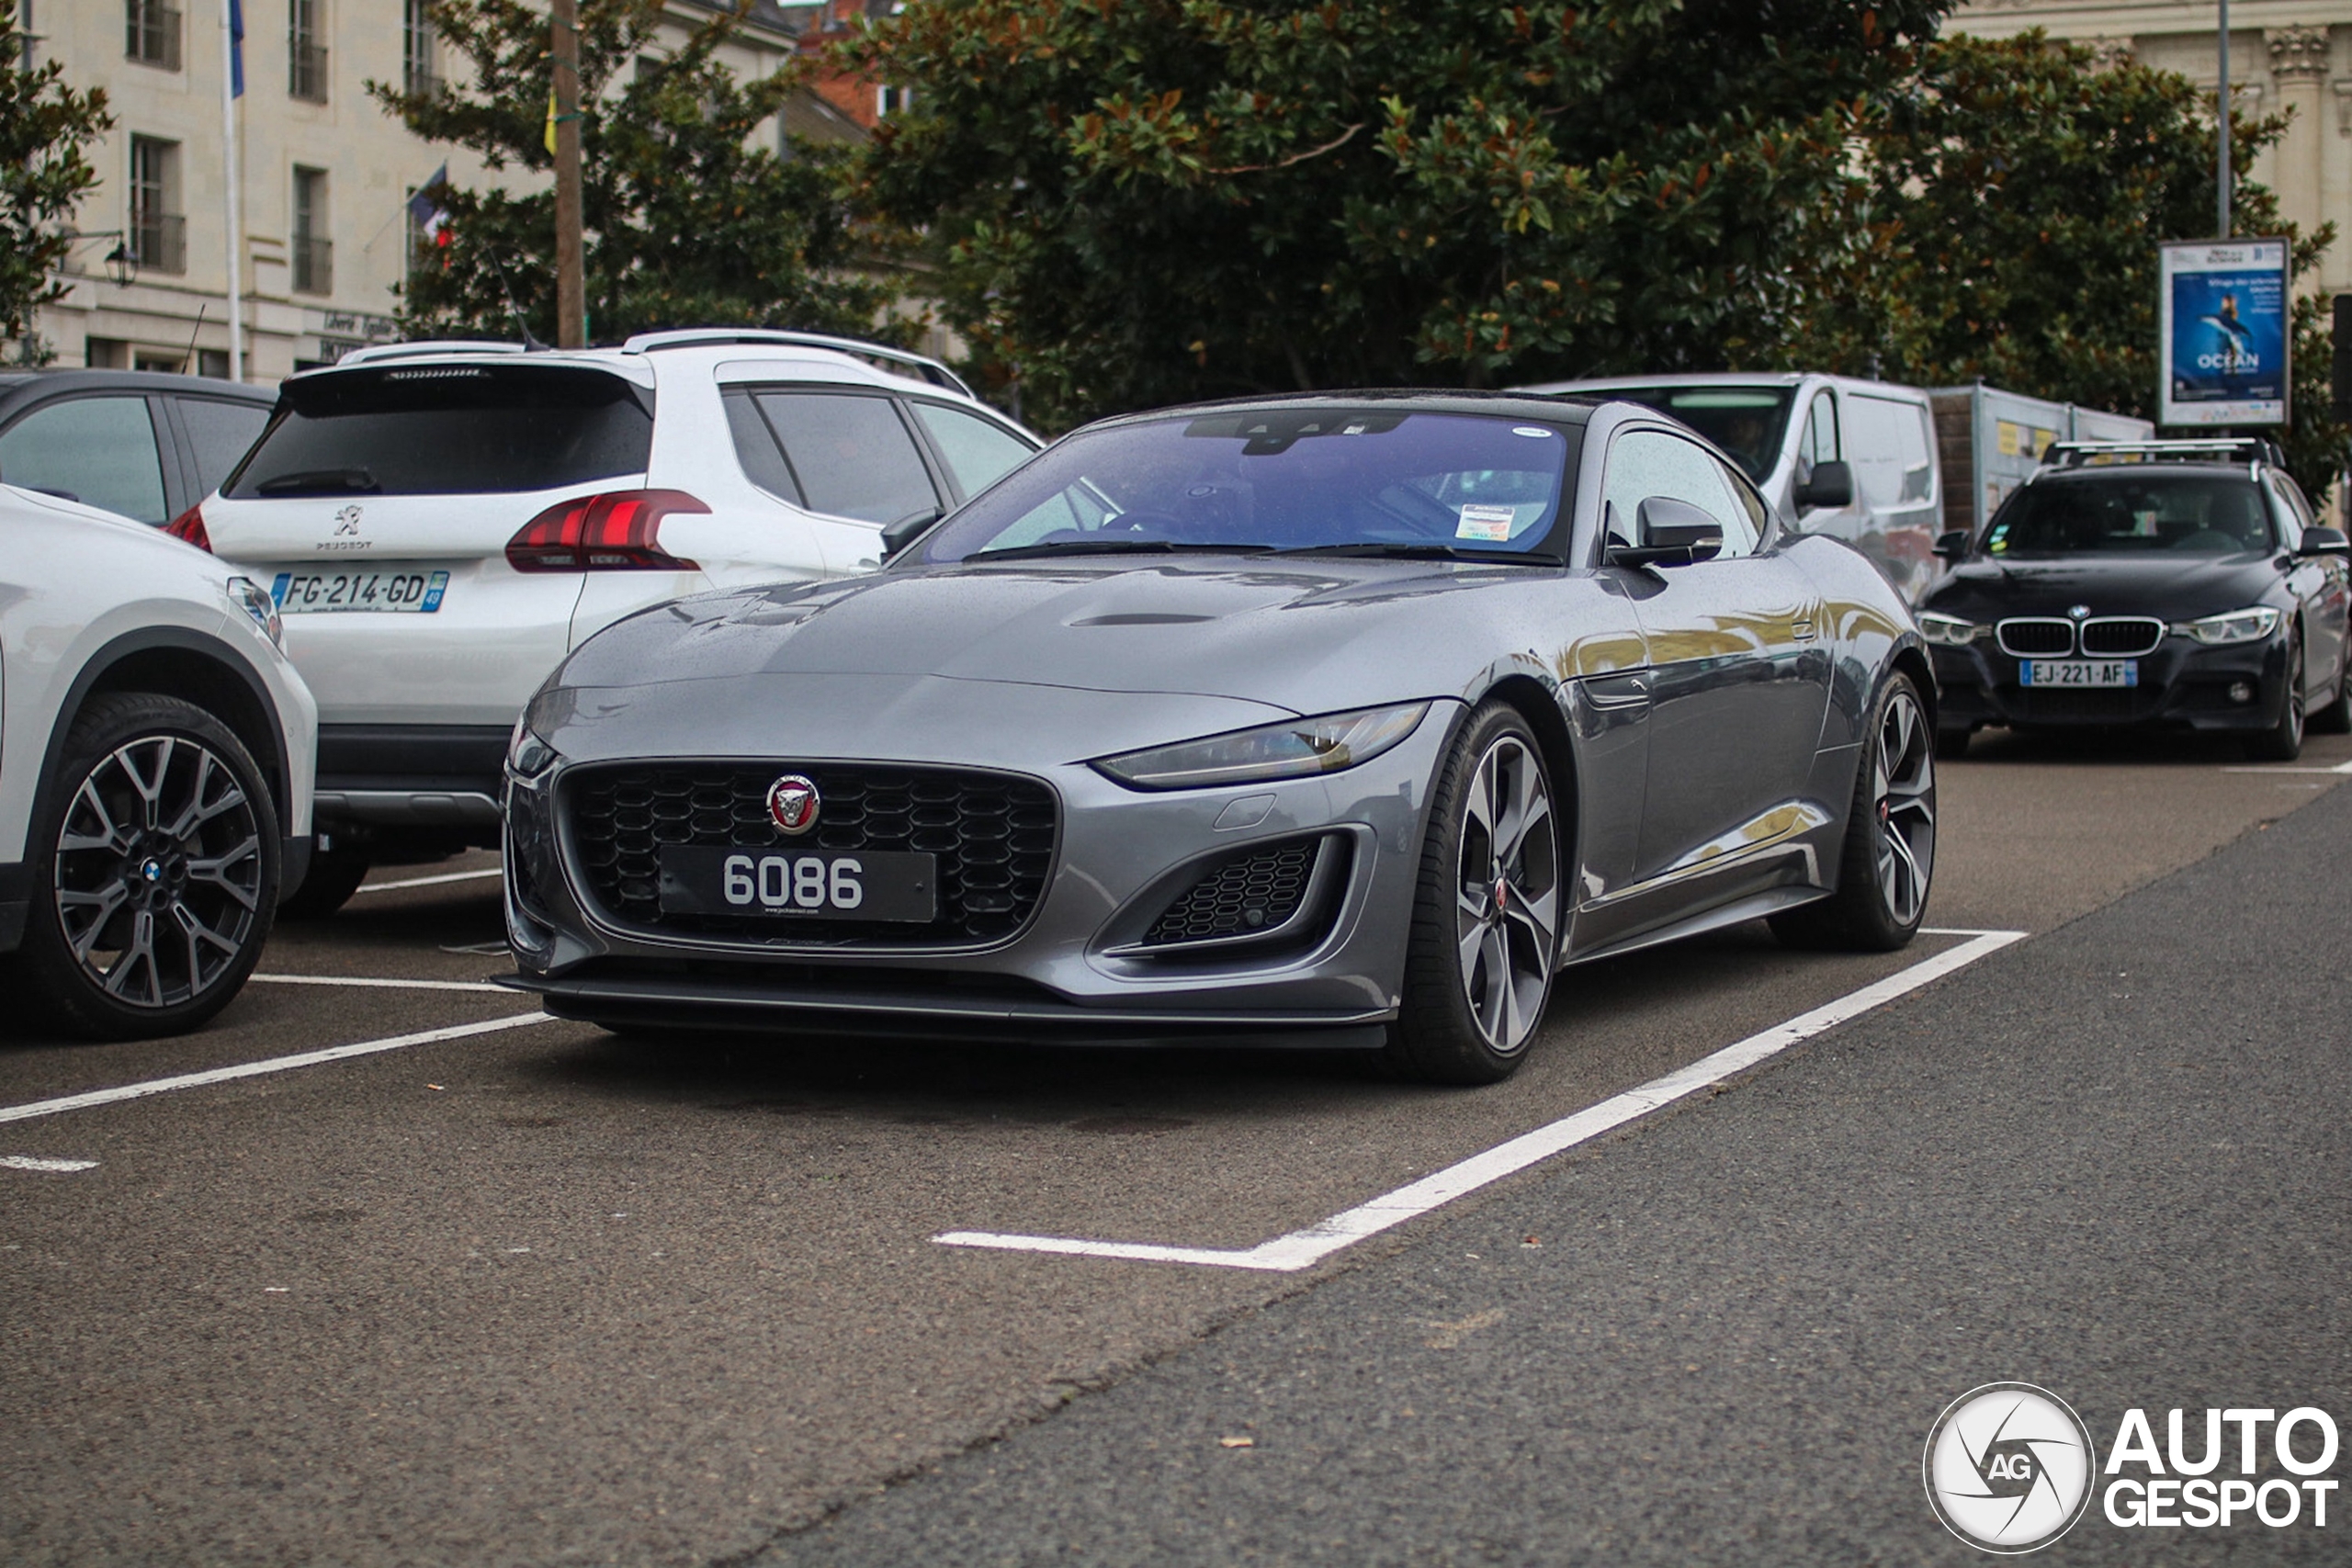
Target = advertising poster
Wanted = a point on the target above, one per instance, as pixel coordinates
(2224, 334)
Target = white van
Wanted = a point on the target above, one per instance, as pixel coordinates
(1850, 458)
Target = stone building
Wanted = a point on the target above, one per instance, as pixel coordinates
(2285, 55)
(325, 174)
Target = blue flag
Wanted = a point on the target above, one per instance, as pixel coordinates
(425, 205)
(236, 48)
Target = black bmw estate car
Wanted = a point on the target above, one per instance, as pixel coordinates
(2179, 583)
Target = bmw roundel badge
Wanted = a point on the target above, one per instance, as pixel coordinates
(792, 803)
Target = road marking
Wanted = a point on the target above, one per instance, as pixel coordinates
(429, 881)
(382, 983)
(26, 1162)
(1305, 1248)
(2340, 768)
(255, 1069)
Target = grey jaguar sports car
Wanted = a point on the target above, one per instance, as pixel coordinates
(1345, 720)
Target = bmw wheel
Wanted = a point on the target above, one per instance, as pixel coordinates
(2283, 742)
(1889, 858)
(2334, 716)
(1487, 914)
(156, 869)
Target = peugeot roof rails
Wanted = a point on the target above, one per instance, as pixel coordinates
(894, 359)
(2212, 450)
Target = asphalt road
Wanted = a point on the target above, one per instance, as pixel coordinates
(531, 1296)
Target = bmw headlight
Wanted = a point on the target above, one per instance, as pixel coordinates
(1950, 631)
(1294, 749)
(2238, 625)
(255, 600)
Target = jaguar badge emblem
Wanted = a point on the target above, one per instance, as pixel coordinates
(792, 804)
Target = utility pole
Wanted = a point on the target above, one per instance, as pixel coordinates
(2224, 176)
(232, 215)
(570, 284)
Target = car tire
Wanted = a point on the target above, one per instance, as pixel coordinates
(1952, 744)
(2283, 741)
(335, 876)
(2334, 716)
(1486, 910)
(159, 836)
(1887, 866)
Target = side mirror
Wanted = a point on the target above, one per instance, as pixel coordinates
(898, 536)
(1829, 485)
(1952, 546)
(1673, 532)
(2324, 542)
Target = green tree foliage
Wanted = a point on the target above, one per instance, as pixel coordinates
(44, 126)
(687, 222)
(2004, 226)
(1139, 201)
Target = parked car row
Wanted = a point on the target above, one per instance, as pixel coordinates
(1344, 720)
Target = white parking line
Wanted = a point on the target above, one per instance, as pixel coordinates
(381, 984)
(26, 1162)
(2341, 768)
(1304, 1248)
(429, 881)
(255, 1069)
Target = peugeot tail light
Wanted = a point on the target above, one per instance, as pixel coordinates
(188, 529)
(618, 531)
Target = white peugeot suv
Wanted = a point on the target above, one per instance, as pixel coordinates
(441, 523)
(154, 773)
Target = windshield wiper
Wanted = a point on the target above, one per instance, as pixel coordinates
(1417, 552)
(320, 481)
(1118, 548)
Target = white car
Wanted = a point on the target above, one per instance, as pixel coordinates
(156, 757)
(442, 522)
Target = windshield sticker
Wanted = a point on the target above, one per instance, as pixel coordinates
(1530, 430)
(1492, 523)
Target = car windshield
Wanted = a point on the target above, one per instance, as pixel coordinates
(448, 430)
(1746, 421)
(2117, 514)
(1354, 479)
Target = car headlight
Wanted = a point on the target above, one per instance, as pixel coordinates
(1949, 630)
(1294, 749)
(528, 755)
(255, 600)
(2238, 625)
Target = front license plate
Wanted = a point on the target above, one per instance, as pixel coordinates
(2079, 672)
(839, 885)
(310, 592)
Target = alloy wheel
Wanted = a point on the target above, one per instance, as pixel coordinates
(1507, 895)
(1902, 794)
(159, 871)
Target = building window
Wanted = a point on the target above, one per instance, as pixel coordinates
(313, 254)
(419, 56)
(106, 354)
(306, 58)
(888, 101)
(153, 34)
(158, 231)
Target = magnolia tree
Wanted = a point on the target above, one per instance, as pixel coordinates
(44, 126)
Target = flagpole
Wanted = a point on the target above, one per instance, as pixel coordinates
(234, 213)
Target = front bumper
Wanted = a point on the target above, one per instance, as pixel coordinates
(2182, 685)
(1077, 972)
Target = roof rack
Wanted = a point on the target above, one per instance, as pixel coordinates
(378, 352)
(890, 358)
(2215, 449)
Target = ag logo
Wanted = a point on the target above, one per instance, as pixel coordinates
(792, 803)
(2008, 1467)
(347, 520)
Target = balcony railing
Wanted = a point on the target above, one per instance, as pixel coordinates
(159, 241)
(306, 70)
(313, 265)
(422, 82)
(153, 36)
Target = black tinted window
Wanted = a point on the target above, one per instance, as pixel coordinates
(220, 432)
(851, 454)
(2132, 513)
(434, 430)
